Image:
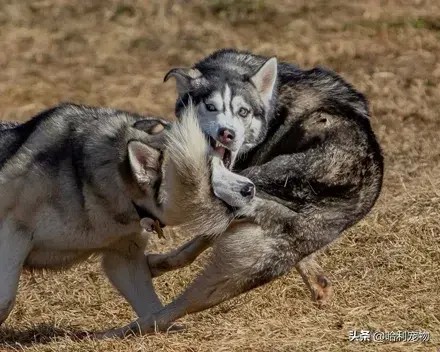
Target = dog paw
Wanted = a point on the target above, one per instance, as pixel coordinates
(174, 328)
(321, 290)
(142, 326)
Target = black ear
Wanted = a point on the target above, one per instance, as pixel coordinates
(152, 125)
(186, 78)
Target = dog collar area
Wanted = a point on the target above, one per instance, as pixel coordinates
(144, 213)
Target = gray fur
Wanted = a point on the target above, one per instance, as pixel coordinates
(69, 179)
(318, 169)
(4, 125)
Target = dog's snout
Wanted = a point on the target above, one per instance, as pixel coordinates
(226, 135)
(248, 190)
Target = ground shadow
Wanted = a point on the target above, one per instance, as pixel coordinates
(39, 334)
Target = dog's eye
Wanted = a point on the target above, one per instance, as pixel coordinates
(243, 112)
(210, 107)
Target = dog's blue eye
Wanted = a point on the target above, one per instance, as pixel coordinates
(243, 112)
(210, 107)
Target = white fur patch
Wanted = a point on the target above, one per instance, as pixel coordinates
(239, 102)
(186, 142)
(227, 99)
(216, 100)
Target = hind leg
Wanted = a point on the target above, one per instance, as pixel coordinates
(14, 248)
(315, 279)
(243, 258)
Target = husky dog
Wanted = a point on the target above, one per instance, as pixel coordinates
(304, 139)
(75, 181)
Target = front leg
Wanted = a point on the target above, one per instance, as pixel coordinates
(243, 258)
(268, 214)
(15, 246)
(180, 257)
(124, 265)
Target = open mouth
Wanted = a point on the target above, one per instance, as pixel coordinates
(223, 152)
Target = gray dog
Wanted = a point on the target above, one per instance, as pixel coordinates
(76, 181)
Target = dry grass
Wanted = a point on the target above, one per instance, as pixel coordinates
(385, 270)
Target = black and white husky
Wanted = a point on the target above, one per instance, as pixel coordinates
(76, 181)
(304, 139)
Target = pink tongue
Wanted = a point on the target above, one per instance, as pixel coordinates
(220, 151)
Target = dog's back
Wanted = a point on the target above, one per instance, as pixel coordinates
(10, 141)
(13, 135)
(325, 122)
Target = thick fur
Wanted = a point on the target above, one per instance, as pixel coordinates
(318, 169)
(189, 173)
(67, 189)
(240, 104)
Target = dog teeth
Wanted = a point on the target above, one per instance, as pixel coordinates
(216, 144)
(219, 145)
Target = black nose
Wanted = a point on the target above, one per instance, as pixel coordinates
(248, 190)
(226, 135)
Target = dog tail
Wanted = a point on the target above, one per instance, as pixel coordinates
(189, 199)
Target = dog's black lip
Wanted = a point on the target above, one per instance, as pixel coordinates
(227, 157)
(211, 141)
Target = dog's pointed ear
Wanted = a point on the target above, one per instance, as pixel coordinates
(144, 162)
(265, 78)
(185, 78)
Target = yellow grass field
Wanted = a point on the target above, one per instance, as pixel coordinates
(385, 270)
